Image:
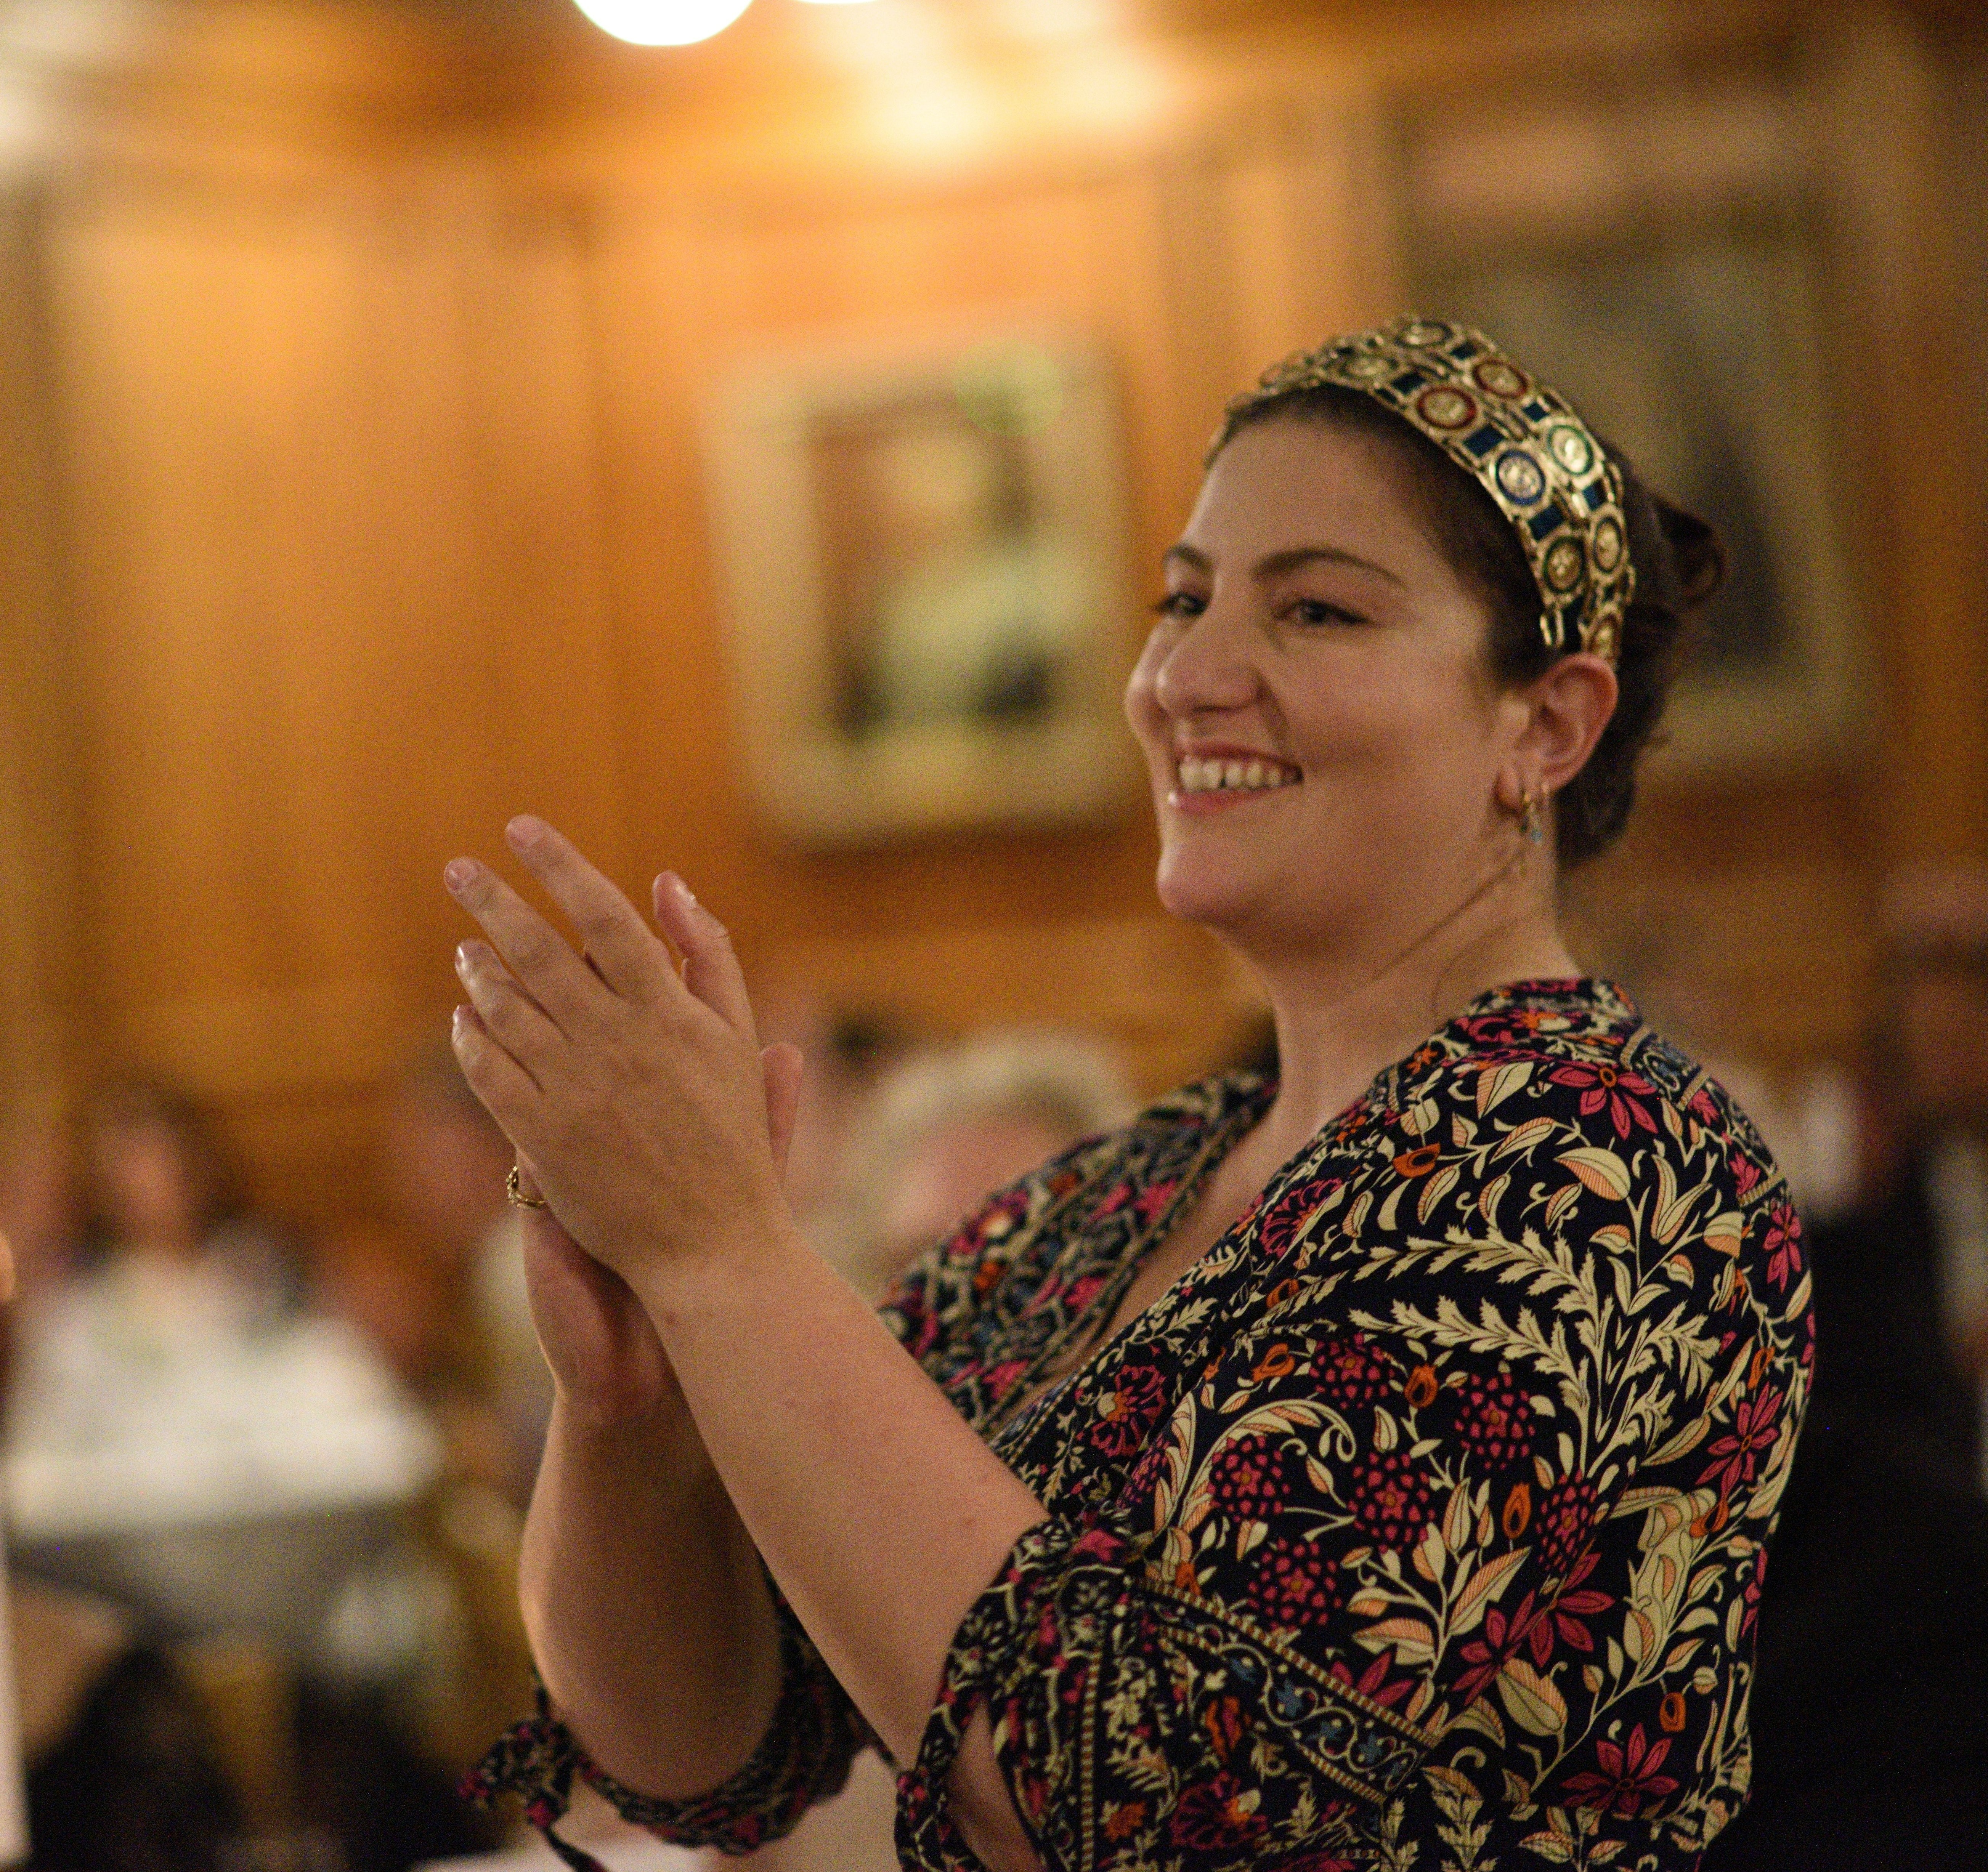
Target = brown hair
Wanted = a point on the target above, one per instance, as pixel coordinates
(1679, 565)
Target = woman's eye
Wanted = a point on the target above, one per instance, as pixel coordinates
(1316, 611)
(1180, 604)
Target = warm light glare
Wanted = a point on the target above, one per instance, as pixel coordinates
(662, 22)
(838, 2)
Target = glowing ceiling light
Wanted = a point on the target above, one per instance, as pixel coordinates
(662, 22)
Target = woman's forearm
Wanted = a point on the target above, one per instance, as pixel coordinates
(880, 1511)
(648, 1615)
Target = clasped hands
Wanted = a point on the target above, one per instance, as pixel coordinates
(635, 1092)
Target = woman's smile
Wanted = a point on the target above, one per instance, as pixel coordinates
(1217, 777)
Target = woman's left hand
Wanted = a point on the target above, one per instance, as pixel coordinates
(636, 1093)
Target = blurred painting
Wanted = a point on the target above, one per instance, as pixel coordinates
(924, 560)
(1699, 362)
(1643, 240)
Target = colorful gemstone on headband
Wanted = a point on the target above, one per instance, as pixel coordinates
(1497, 378)
(1520, 479)
(1566, 565)
(1571, 451)
(1443, 407)
(1522, 441)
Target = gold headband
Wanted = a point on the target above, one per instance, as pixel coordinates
(1517, 439)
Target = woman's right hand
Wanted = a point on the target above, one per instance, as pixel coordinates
(608, 1363)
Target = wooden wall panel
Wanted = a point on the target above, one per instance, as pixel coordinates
(340, 614)
(38, 856)
(382, 516)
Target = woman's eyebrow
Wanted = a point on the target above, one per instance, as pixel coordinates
(1277, 564)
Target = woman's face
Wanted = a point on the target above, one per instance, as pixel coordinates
(1316, 646)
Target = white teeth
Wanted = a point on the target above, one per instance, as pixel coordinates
(1207, 776)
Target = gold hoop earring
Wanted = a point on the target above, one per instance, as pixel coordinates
(1532, 817)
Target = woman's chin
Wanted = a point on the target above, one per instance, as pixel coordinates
(1198, 896)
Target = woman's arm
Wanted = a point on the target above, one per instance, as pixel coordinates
(649, 1618)
(648, 1610)
(881, 1513)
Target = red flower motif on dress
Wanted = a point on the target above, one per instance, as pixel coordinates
(1783, 1246)
(1628, 1781)
(1504, 1638)
(1391, 1498)
(1494, 1421)
(1352, 1371)
(1150, 1201)
(1373, 1685)
(1282, 1220)
(1137, 1401)
(1736, 1456)
(1213, 1815)
(1526, 1628)
(1565, 1523)
(1253, 1477)
(1609, 1088)
(1751, 1594)
(1295, 1583)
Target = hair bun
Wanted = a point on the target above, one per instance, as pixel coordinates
(1697, 557)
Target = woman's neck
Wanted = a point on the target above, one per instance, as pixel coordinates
(1338, 1025)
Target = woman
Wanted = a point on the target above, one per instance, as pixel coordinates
(1374, 1467)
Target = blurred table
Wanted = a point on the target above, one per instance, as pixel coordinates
(254, 1516)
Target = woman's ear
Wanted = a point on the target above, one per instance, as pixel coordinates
(1570, 704)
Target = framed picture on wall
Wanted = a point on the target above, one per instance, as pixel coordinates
(924, 555)
(1670, 294)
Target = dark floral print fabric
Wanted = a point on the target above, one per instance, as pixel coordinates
(1420, 1525)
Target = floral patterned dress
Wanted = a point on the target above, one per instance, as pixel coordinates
(1421, 1523)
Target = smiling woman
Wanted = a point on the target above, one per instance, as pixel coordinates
(1374, 1466)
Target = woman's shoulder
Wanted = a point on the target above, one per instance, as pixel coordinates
(1574, 1062)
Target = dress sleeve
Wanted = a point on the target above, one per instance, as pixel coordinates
(1387, 1531)
(814, 1735)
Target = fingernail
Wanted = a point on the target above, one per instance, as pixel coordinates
(683, 891)
(456, 1019)
(458, 873)
(466, 958)
(525, 831)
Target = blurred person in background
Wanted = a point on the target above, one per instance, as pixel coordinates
(439, 1289)
(41, 1212)
(944, 1127)
(123, 1772)
(133, 1341)
(1870, 1709)
(848, 1050)
(186, 1438)
(1226, 1493)
(940, 1129)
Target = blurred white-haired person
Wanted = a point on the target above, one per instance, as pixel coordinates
(946, 1125)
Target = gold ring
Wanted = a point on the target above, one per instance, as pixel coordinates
(516, 1191)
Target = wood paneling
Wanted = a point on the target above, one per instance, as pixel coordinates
(375, 399)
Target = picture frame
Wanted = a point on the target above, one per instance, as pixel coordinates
(922, 547)
(1659, 266)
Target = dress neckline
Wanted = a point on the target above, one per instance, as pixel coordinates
(1245, 1097)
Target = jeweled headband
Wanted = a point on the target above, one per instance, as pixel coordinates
(1519, 439)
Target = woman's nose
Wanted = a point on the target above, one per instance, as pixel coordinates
(1207, 668)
